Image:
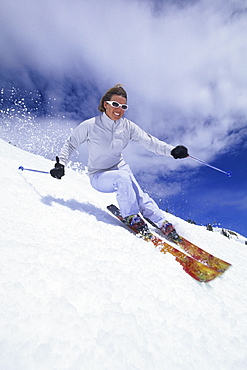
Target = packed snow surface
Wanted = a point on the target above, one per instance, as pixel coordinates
(79, 291)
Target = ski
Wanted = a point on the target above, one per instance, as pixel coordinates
(194, 268)
(197, 253)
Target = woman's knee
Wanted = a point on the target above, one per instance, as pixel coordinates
(122, 180)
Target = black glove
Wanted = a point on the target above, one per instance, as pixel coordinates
(58, 171)
(180, 152)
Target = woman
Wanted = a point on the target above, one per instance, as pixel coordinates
(106, 136)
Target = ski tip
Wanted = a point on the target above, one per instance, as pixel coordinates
(21, 168)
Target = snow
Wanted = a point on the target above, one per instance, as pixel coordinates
(78, 291)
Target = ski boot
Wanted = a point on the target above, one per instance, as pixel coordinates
(169, 231)
(136, 223)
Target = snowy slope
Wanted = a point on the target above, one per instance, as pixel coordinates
(78, 291)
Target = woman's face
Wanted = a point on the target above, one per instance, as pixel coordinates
(115, 113)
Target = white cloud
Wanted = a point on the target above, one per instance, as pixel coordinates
(180, 66)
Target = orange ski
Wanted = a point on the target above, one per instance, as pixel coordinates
(194, 268)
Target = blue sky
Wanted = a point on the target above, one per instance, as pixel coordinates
(183, 65)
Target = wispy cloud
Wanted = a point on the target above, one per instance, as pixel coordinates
(184, 66)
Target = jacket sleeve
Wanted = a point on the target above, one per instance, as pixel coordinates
(148, 141)
(77, 137)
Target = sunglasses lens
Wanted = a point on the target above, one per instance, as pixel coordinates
(115, 104)
(124, 107)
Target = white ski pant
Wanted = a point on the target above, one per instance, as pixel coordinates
(131, 199)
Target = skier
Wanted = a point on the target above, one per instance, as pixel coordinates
(106, 136)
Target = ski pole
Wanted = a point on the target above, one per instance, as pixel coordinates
(228, 173)
(28, 169)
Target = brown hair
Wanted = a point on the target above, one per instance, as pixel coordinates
(115, 90)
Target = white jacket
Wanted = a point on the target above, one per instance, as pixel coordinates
(106, 140)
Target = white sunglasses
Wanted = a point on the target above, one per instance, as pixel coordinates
(115, 104)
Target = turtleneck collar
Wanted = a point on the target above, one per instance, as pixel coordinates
(108, 120)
